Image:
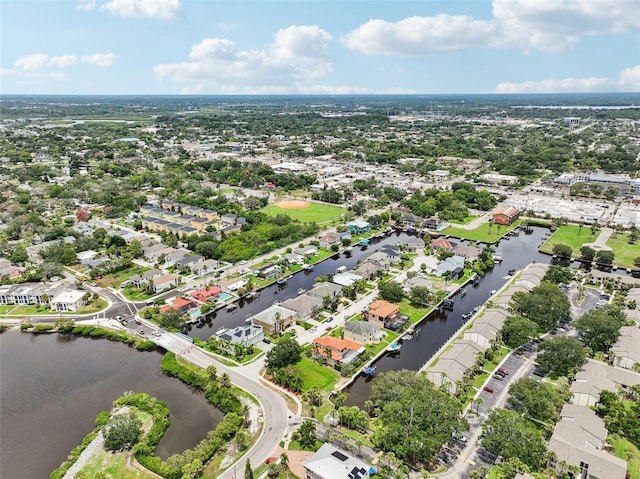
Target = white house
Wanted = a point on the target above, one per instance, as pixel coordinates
(330, 462)
(67, 301)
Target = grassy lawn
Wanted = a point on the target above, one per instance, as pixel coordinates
(467, 219)
(482, 233)
(414, 313)
(568, 234)
(112, 466)
(134, 294)
(33, 309)
(296, 446)
(6, 308)
(314, 374)
(625, 252)
(626, 451)
(92, 307)
(114, 280)
(314, 213)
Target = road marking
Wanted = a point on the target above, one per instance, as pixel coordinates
(467, 460)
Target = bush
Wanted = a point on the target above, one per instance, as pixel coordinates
(122, 432)
(40, 328)
(25, 326)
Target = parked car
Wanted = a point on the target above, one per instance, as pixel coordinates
(329, 319)
(266, 340)
(498, 377)
(499, 373)
(489, 389)
(538, 372)
(138, 322)
(503, 371)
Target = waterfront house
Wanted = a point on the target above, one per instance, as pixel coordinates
(441, 244)
(231, 285)
(434, 223)
(453, 264)
(304, 306)
(469, 253)
(322, 290)
(336, 350)
(307, 251)
(362, 332)
(454, 363)
(293, 258)
(179, 304)
(329, 239)
(505, 215)
(359, 226)
(243, 335)
(275, 319)
(381, 312)
(415, 282)
(206, 294)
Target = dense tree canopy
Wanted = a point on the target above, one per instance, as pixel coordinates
(122, 431)
(286, 352)
(558, 274)
(599, 328)
(518, 331)
(508, 434)
(545, 304)
(537, 399)
(415, 418)
(391, 291)
(561, 356)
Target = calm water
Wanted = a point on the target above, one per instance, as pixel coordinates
(303, 279)
(52, 387)
(440, 325)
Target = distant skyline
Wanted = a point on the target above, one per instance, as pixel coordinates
(318, 47)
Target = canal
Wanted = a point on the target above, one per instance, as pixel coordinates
(440, 325)
(53, 386)
(302, 279)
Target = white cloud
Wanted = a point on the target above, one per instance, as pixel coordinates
(627, 81)
(157, 9)
(296, 58)
(545, 25)
(100, 59)
(86, 5)
(565, 85)
(630, 79)
(5, 71)
(40, 61)
(554, 25)
(35, 61)
(421, 35)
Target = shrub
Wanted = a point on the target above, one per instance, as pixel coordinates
(25, 326)
(39, 328)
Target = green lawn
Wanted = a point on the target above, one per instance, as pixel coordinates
(625, 252)
(485, 233)
(314, 374)
(626, 451)
(570, 235)
(114, 280)
(314, 213)
(134, 294)
(467, 219)
(414, 313)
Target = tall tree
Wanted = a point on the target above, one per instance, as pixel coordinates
(545, 304)
(537, 399)
(518, 331)
(561, 356)
(600, 328)
(562, 250)
(415, 418)
(508, 434)
(284, 353)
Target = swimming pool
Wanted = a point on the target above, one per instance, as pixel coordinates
(224, 296)
(194, 313)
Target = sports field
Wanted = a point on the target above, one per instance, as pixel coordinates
(304, 211)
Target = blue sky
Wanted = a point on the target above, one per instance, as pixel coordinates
(318, 47)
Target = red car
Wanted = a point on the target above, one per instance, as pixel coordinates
(489, 389)
(503, 371)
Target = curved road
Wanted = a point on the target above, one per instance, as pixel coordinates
(275, 415)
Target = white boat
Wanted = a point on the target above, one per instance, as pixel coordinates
(301, 290)
(393, 347)
(231, 306)
(221, 331)
(307, 267)
(407, 337)
(276, 303)
(497, 258)
(492, 292)
(248, 320)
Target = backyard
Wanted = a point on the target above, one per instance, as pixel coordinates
(312, 213)
(486, 233)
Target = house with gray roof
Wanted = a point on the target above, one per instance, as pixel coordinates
(451, 264)
(415, 282)
(362, 332)
(494, 316)
(275, 319)
(626, 351)
(578, 439)
(304, 306)
(305, 251)
(482, 333)
(454, 363)
(595, 377)
(320, 290)
(243, 335)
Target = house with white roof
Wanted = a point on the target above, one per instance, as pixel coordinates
(330, 462)
(626, 351)
(67, 301)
